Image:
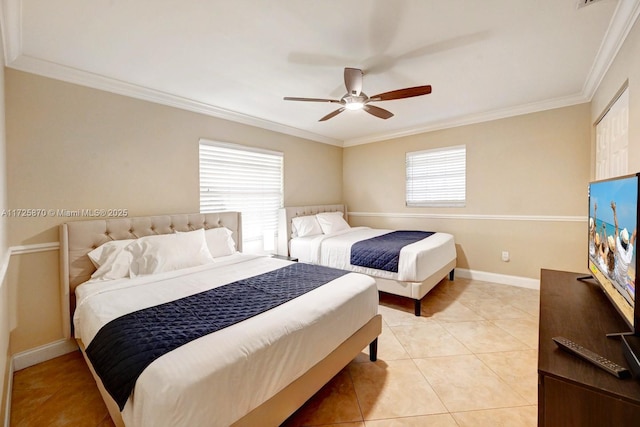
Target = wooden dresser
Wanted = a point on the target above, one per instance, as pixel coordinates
(573, 392)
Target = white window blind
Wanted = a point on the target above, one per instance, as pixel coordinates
(436, 177)
(238, 178)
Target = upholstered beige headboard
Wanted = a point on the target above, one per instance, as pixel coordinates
(79, 238)
(285, 215)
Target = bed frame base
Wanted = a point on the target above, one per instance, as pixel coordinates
(417, 307)
(111, 404)
(416, 290)
(277, 409)
(417, 303)
(373, 350)
(413, 290)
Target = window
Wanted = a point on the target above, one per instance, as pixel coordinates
(238, 178)
(437, 177)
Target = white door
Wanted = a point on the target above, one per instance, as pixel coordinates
(612, 140)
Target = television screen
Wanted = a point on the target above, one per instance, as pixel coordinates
(613, 218)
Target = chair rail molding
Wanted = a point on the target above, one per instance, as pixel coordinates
(491, 217)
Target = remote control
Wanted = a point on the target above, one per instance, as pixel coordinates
(590, 356)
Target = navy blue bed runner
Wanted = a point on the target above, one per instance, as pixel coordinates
(383, 252)
(124, 347)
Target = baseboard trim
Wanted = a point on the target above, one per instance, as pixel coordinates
(485, 276)
(4, 266)
(43, 353)
(37, 355)
(7, 400)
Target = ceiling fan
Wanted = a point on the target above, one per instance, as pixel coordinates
(355, 99)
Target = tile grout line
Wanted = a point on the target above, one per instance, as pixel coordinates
(353, 384)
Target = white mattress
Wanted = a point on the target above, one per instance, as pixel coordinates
(417, 262)
(217, 379)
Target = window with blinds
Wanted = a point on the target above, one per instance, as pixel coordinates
(250, 180)
(436, 178)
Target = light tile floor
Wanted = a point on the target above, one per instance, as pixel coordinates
(469, 360)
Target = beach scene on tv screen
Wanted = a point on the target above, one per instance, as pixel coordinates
(612, 232)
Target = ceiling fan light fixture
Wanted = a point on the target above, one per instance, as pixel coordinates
(352, 102)
(355, 105)
(355, 99)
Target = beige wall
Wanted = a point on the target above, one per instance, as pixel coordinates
(535, 165)
(73, 147)
(4, 255)
(626, 66)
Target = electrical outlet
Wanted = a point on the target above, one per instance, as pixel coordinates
(505, 256)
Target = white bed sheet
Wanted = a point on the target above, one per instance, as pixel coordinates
(217, 379)
(417, 262)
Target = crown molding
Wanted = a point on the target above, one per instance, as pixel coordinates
(11, 23)
(83, 78)
(623, 19)
(472, 119)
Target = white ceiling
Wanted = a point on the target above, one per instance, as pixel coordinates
(237, 59)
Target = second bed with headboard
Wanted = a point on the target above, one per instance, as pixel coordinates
(255, 370)
(319, 234)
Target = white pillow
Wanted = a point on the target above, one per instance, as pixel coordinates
(102, 253)
(306, 226)
(331, 222)
(220, 242)
(112, 260)
(168, 252)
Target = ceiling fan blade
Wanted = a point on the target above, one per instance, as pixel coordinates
(332, 114)
(377, 111)
(353, 81)
(402, 93)
(293, 98)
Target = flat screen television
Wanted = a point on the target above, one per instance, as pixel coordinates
(613, 261)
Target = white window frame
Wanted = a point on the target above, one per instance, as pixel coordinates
(250, 180)
(436, 177)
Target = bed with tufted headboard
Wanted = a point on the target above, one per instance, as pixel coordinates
(228, 362)
(422, 265)
(78, 238)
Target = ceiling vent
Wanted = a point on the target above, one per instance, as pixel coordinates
(583, 3)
